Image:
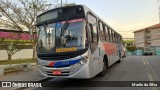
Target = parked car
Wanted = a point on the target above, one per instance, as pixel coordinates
(148, 53)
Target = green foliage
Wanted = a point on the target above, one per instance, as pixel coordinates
(131, 48)
(11, 46)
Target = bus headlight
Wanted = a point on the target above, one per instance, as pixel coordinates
(82, 62)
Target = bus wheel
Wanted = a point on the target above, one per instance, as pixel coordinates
(119, 60)
(105, 67)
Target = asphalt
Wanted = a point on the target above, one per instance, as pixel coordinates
(131, 68)
(32, 75)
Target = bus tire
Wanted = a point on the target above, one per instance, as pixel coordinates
(119, 60)
(105, 67)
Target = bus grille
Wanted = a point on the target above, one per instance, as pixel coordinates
(57, 66)
(56, 57)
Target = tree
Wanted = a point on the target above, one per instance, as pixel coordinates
(11, 44)
(63, 4)
(22, 14)
(131, 48)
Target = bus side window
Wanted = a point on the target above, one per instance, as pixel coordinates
(121, 40)
(118, 38)
(93, 32)
(111, 39)
(115, 35)
(101, 32)
(107, 34)
(90, 27)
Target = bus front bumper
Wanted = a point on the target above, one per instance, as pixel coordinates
(74, 71)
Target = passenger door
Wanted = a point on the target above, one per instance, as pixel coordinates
(93, 31)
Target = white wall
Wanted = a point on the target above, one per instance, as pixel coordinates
(25, 53)
(139, 39)
(155, 36)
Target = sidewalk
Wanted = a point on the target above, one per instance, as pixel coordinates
(23, 75)
(33, 75)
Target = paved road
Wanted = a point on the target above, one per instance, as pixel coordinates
(132, 68)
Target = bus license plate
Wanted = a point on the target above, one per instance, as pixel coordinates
(57, 72)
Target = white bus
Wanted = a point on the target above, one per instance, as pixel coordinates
(73, 42)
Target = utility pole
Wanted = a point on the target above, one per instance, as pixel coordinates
(159, 11)
(61, 3)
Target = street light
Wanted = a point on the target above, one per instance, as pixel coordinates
(158, 10)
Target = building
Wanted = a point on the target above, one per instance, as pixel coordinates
(148, 38)
(9, 31)
(12, 34)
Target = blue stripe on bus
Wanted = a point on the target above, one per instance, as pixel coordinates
(66, 63)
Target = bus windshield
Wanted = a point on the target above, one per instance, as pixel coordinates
(61, 36)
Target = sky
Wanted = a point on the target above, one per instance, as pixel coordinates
(125, 16)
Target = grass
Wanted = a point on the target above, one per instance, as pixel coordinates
(17, 61)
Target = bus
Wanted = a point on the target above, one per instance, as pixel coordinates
(73, 42)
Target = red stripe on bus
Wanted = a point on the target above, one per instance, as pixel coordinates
(51, 64)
